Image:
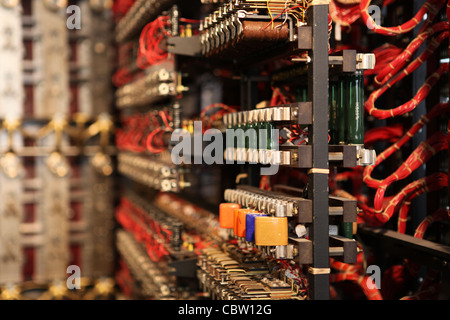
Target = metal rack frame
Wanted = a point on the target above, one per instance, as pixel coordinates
(319, 272)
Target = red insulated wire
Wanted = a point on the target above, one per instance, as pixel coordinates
(388, 133)
(343, 267)
(284, 11)
(410, 105)
(394, 280)
(349, 273)
(136, 138)
(190, 21)
(344, 14)
(428, 289)
(384, 55)
(420, 155)
(150, 143)
(436, 111)
(150, 40)
(439, 215)
(370, 216)
(431, 183)
(165, 118)
(431, 8)
(388, 2)
(121, 77)
(400, 60)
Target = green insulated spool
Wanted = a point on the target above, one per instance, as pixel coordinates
(347, 230)
(245, 127)
(228, 141)
(355, 109)
(253, 136)
(271, 136)
(262, 135)
(333, 112)
(266, 134)
(241, 126)
(340, 111)
(301, 94)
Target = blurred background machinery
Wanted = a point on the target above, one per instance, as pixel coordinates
(234, 150)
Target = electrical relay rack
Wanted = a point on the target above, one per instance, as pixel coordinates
(252, 150)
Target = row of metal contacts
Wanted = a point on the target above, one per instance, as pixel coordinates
(227, 279)
(146, 90)
(148, 172)
(284, 113)
(276, 204)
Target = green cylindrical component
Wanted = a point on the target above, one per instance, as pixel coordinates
(253, 143)
(354, 133)
(268, 126)
(301, 94)
(347, 230)
(333, 112)
(246, 139)
(340, 111)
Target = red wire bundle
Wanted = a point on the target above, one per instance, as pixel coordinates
(388, 133)
(401, 59)
(383, 56)
(410, 105)
(438, 215)
(431, 183)
(144, 132)
(356, 274)
(420, 155)
(379, 214)
(344, 13)
(124, 278)
(388, 2)
(221, 110)
(151, 41)
(401, 201)
(121, 77)
(430, 286)
(431, 8)
(133, 219)
(436, 111)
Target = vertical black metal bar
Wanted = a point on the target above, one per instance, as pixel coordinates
(318, 178)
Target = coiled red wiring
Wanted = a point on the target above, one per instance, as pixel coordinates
(410, 105)
(430, 286)
(344, 14)
(145, 230)
(438, 215)
(431, 183)
(400, 60)
(436, 111)
(388, 2)
(220, 109)
(151, 49)
(431, 8)
(124, 278)
(383, 56)
(388, 133)
(396, 204)
(121, 77)
(356, 274)
(381, 213)
(420, 155)
(144, 132)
